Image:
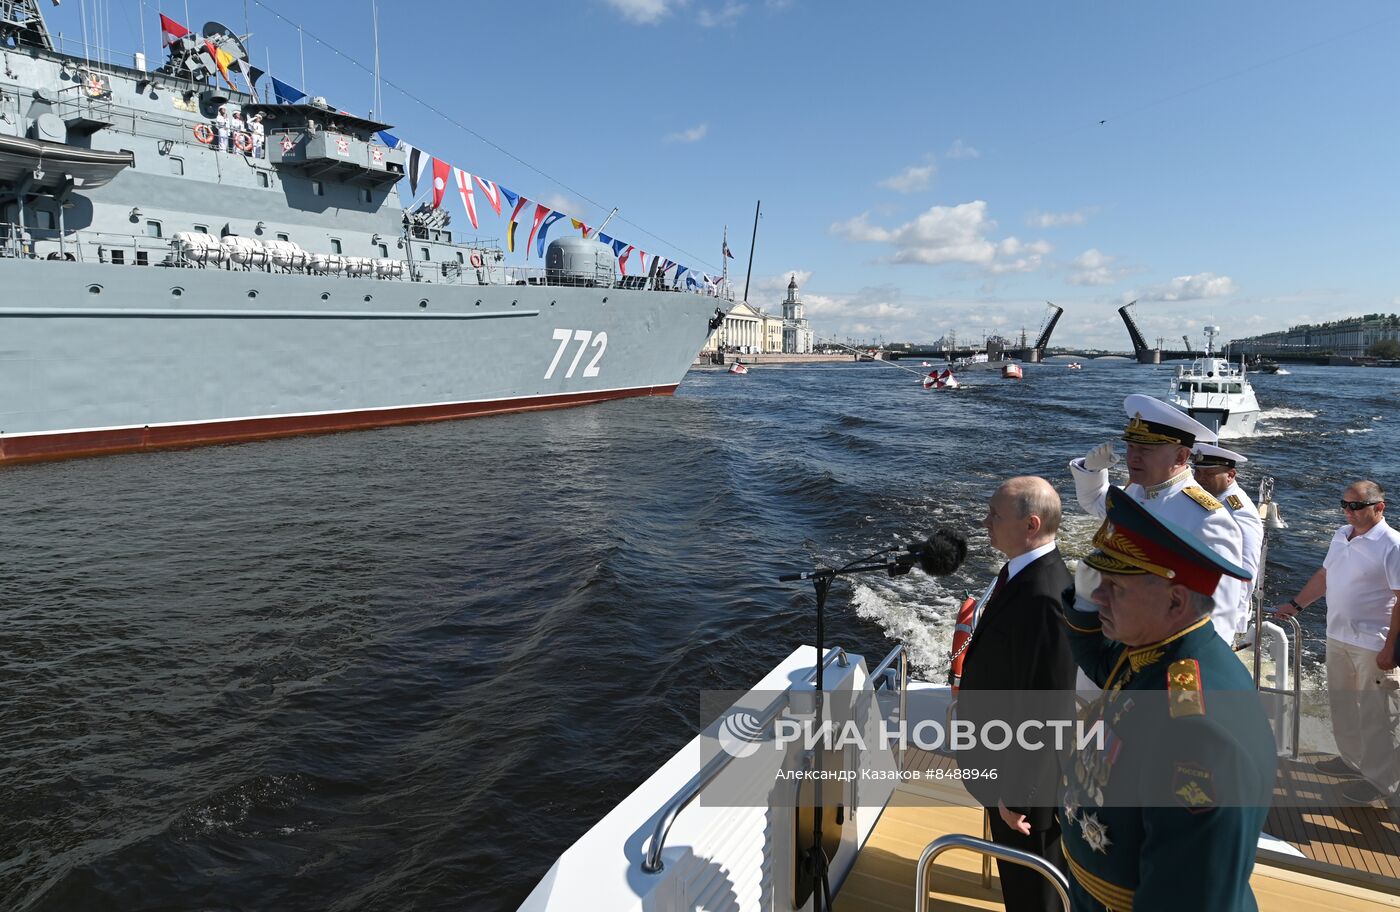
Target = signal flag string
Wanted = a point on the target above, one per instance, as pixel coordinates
(466, 129)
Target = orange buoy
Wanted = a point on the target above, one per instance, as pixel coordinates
(962, 635)
(204, 133)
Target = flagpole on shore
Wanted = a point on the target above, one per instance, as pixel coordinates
(753, 240)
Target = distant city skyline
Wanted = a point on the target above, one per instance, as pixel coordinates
(924, 168)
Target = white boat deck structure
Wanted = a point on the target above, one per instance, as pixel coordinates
(666, 847)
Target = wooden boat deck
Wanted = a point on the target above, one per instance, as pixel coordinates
(883, 877)
(1362, 840)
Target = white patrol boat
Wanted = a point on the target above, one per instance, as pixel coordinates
(1216, 393)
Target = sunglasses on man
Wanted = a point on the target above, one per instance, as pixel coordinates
(1354, 505)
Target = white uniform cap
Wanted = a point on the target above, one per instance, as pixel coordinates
(1205, 454)
(1154, 421)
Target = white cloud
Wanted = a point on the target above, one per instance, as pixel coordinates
(960, 149)
(559, 202)
(725, 15)
(1094, 267)
(949, 234)
(768, 292)
(643, 12)
(912, 179)
(694, 134)
(1187, 288)
(1057, 219)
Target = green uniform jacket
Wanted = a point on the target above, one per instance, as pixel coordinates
(1168, 815)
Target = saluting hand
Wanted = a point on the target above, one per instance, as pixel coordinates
(1100, 457)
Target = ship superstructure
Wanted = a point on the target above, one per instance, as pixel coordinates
(158, 290)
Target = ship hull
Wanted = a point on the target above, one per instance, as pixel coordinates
(99, 359)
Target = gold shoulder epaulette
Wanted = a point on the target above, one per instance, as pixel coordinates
(1201, 496)
(1184, 696)
(1234, 501)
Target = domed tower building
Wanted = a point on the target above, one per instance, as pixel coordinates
(797, 335)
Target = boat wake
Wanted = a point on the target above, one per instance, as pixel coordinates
(1285, 414)
(906, 617)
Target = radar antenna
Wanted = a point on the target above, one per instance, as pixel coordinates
(192, 56)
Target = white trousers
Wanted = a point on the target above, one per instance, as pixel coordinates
(1365, 713)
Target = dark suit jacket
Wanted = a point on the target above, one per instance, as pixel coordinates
(1020, 644)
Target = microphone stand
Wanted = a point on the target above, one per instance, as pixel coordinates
(822, 578)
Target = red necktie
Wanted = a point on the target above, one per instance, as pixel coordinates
(1001, 581)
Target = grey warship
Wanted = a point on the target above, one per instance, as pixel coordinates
(156, 290)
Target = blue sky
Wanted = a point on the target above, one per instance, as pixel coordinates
(924, 167)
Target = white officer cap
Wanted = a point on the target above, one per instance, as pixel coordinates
(1154, 421)
(1205, 454)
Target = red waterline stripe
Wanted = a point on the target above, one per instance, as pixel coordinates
(70, 444)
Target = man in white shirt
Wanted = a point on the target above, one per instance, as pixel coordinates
(1159, 441)
(1216, 470)
(1361, 580)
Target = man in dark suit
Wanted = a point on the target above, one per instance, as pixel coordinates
(1020, 644)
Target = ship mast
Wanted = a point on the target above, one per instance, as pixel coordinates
(24, 21)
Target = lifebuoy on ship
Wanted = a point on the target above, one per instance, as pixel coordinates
(243, 141)
(962, 635)
(204, 133)
(477, 259)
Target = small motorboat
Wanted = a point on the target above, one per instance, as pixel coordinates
(1075, 365)
(738, 367)
(1216, 393)
(1011, 371)
(925, 364)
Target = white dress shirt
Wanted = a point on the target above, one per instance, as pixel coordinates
(1363, 575)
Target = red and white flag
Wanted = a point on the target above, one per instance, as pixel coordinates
(442, 173)
(541, 210)
(492, 192)
(464, 187)
(170, 31)
(622, 260)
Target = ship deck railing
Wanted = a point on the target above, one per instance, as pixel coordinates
(119, 249)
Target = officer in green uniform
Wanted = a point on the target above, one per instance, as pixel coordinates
(1164, 811)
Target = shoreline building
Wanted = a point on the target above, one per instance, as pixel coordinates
(1351, 338)
(797, 334)
(749, 330)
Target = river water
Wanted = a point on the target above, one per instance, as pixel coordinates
(406, 668)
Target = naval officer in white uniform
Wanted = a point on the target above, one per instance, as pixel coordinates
(1216, 470)
(1159, 440)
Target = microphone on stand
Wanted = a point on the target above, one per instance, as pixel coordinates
(940, 554)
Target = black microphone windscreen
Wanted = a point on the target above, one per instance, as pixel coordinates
(943, 552)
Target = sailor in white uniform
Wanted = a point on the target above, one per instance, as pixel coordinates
(1159, 440)
(223, 125)
(1216, 471)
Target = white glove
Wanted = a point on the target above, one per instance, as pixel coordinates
(1100, 458)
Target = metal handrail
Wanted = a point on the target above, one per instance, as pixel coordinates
(893, 673)
(983, 847)
(1266, 496)
(652, 864)
(1295, 634)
